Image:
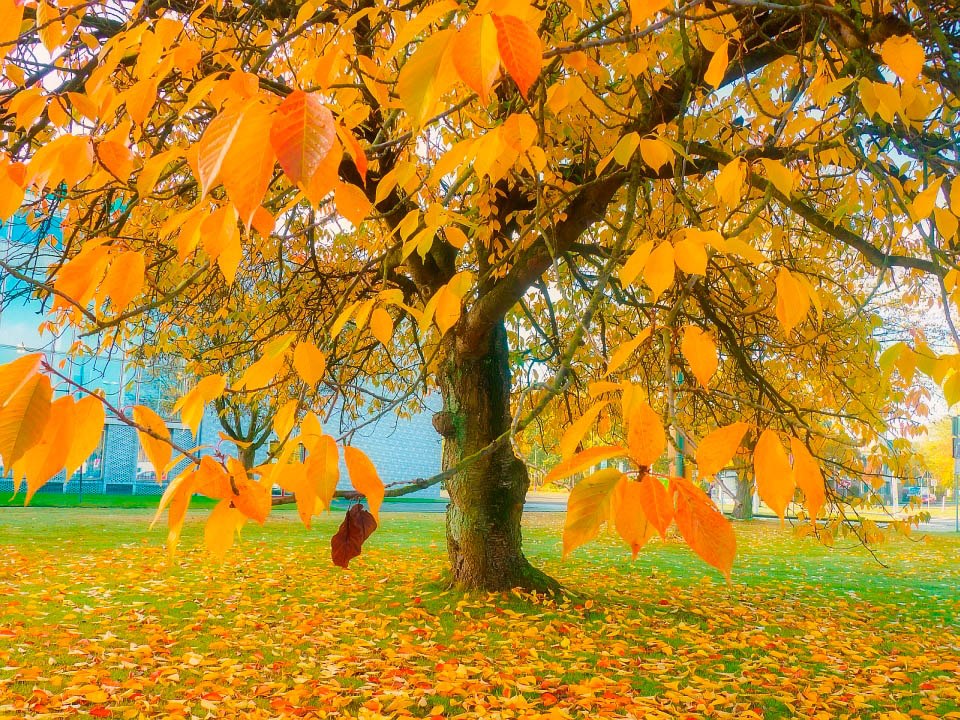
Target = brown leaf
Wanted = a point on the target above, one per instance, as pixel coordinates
(356, 527)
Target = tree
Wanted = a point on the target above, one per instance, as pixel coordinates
(693, 210)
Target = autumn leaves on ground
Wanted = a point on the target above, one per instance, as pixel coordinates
(93, 623)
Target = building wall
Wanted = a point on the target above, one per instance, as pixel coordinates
(402, 450)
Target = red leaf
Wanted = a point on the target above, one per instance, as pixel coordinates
(356, 527)
(520, 50)
(302, 134)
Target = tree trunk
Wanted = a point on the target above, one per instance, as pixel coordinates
(486, 496)
(743, 504)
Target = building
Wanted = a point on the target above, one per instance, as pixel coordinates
(402, 450)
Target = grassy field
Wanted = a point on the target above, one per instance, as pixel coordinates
(93, 623)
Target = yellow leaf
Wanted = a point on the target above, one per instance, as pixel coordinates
(781, 177)
(14, 375)
(628, 517)
(691, 257)
(448, 309)
(923, 203)
(946, 221)
(775, 481)
(309, 362)
(589, 506)
(426, 76)
(625, 148)
(717, 449)
(640, 10)
(89, 418)
(729, 182)
(659, 269)
(408, 32)
(23, 418)
(574, 434)
(222, 524)
(635, 263)
(455, 236)
(793, 303)
(645, 436)
(625, 350)
(701, 352)
(807, 475)
(364, 478)
(124, 280)
(47, 457)
(190, 406)
(284, 418)
(261, 373)
(583, 460)
(655, 153)
(904, 55)
(154, 438)
(718, 65)
(381, 325)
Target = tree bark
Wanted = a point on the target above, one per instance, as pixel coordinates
(743, 503)
(487, 494)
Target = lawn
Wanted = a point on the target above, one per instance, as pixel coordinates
(93, 623)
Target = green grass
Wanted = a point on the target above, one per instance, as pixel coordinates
(91, 617)
(91, 500)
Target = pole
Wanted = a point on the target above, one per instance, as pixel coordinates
(955, 426)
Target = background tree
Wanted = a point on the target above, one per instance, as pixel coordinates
(728, 186)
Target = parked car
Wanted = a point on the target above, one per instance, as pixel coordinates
(923, 494)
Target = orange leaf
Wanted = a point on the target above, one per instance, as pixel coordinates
(158, 449)
(252, 498)
(364, 478)
(775, 482)
(381, 325)
(645, 436)
(718, 448)
(247, 168)
(583, 460)
(628, 516)
(520, 50)
(699, 350)
(124, 280)
(475, 55)
(302, 134)
(14, 375)
(655, 502)
(324, 468)
(215, 144)
(707, 532)
(117, 158)
(47, 457)
(807, 475)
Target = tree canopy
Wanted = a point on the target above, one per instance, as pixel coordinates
(667, 228)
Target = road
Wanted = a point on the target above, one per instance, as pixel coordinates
(540, 503)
